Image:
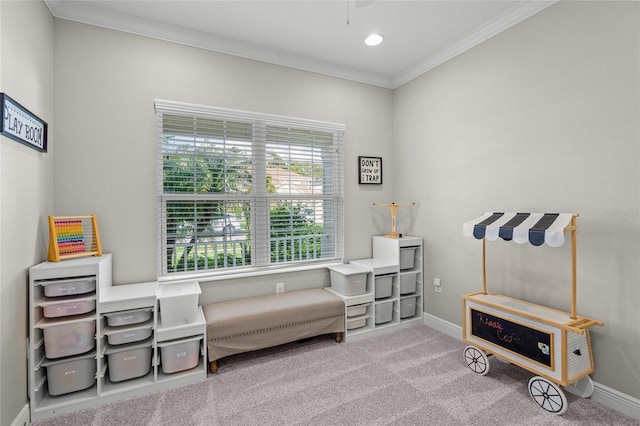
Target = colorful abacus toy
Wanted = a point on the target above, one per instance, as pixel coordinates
(73, 236)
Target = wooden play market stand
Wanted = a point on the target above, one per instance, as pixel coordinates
(552, 344)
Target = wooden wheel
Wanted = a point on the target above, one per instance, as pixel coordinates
(476, 360)
(547, 395)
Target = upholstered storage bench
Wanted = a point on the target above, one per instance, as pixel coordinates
(244, 325)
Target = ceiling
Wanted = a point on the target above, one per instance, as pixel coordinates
(326, 36)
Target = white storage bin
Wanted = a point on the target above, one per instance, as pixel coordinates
(408, 307)
(356, 310)
(407, 257)
(408, 283)
(67, 308)
(128, 363)
(129, 336)
(56, 288)
(128, 317)
(179, 303)
(71, 376)
(349, 280)
(357, 322)
(179, 355)
(384, 312)
(68, 338)
(383, 286)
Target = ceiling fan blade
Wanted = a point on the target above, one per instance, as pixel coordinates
(363, 3)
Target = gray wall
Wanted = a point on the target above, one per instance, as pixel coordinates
(543, 117)
(26, 186)
(106, 83)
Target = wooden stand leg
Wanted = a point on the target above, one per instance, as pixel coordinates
(213, 366)
(339, 337)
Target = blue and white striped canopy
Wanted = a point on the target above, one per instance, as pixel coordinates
(535, 228)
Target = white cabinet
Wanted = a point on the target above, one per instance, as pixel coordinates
(128, 327)
(394, 286)
(91, 343)
(176, 346)
(55, 287)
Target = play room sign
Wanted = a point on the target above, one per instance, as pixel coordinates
(18, 123)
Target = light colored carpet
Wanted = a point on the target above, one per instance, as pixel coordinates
(411, 376)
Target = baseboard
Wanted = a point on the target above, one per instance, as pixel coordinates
(23, 418)
(445, 327)
(619, 401)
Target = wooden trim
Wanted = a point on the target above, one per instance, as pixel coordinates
(484, 266)
(563, 355)
(574, 291)
(577, 326)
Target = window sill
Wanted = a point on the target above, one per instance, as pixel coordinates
(210, 276)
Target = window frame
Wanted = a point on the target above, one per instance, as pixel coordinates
(260, 233)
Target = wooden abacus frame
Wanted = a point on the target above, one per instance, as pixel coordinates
(85, 245)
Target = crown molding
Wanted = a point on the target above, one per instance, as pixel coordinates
(84, 12)
(501, 23)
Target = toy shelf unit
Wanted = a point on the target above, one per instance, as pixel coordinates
(63, 349)
(73, 236)
(552, 344)
(393, 293)
(92, 343)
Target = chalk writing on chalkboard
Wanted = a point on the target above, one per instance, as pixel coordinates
(525, 341)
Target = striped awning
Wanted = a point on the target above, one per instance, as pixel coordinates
(535, 228)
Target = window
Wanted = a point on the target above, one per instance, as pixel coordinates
(240, 190)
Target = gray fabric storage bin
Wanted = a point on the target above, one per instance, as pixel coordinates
(129, 362)
(71, 376)
(407, 257)
(64, 338)
(383, 285)
(129, 335)
(408, 283)
(137, 316)
(408, 306)
(69, 287)
(384, 312)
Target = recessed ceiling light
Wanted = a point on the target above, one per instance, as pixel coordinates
(373, 39)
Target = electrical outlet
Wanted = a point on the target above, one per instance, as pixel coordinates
(279, 288)
(437, 285)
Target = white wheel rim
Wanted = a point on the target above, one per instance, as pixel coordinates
(547, 395)
(476, 360)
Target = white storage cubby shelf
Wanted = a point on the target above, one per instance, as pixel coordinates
(396, 262)
(122, 331)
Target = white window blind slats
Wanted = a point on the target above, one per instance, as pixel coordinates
(243, 189)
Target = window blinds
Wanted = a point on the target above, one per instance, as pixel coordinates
(240, 189)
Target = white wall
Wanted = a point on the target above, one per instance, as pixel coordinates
(106, 83)
(543, 117)
(26, 187)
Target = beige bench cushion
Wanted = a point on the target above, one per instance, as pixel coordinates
(243, 325)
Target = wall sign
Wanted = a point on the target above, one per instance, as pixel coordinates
(19, 124)
(526, 341)
(370, 170)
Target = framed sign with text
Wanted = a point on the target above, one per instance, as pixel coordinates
(524, 340)
(370, 170)
(20, 124)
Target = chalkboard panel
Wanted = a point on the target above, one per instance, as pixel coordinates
(528, 342)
